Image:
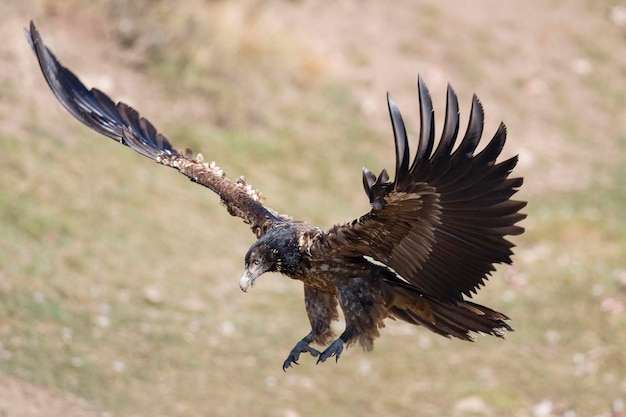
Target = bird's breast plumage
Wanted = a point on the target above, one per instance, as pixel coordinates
(324, 272)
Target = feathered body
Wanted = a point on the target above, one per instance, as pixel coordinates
(431, 238)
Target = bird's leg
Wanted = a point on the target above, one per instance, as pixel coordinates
(301, 347)
(321, 309)
(335, 348)
(361, 302)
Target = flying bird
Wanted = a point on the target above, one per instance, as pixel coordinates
(429, 242)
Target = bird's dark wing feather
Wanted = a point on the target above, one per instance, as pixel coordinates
(441, 224)
(123, 124)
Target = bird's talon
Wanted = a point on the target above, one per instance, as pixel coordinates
(294, 355)
(334, 349)
(314, 352)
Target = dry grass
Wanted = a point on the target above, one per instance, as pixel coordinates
(118, 279)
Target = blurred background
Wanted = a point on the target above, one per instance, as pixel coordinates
(119, 279)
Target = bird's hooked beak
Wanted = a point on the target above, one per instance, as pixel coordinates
(249, 275)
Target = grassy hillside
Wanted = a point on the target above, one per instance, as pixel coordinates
(118, 277)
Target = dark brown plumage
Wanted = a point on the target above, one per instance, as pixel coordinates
(431, 238)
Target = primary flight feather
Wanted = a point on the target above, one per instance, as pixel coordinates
(430, 240)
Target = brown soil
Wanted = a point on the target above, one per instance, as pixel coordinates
(20, 398)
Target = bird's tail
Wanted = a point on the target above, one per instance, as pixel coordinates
(450, 319)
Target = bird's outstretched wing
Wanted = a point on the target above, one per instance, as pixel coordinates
(123, 124)
(441, 224)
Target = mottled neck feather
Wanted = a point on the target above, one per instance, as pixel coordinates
(284, 240)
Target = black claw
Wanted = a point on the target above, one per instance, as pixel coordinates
(288, 363)
(294, 355)
(334, 349)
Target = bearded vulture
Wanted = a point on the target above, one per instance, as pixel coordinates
(429, 242)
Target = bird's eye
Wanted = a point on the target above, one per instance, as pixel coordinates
(257, 261)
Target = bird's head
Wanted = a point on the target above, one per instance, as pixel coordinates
(276, 251)
(261, 258)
